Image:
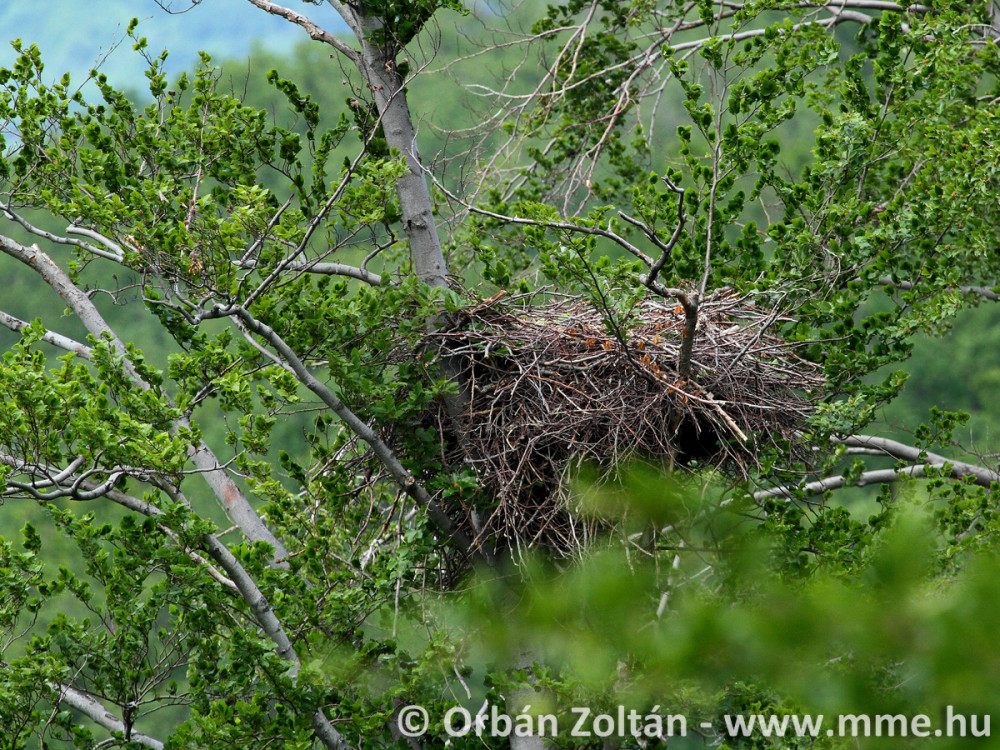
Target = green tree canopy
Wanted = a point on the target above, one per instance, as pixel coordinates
(563, 414)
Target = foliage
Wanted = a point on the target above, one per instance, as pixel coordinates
(277, 525)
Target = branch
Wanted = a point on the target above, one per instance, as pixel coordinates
(690, 303)
(112, 246)
(53, 476)
(959, 469)
(595, 231)
(865, 4)
(387, 458)
(651, 283)
(233, 501)
(56, 239)
(93, 710)
(49, 337)
(314, 31)
(920, 461)
(349, 15)
(147, 509)
(826, 23)
(983, 291)
(274, 630)
(877, 476)
(242, 583)
(666, 247)
(328, 269)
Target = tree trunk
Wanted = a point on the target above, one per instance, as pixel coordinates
(378, 66)
(520, 702)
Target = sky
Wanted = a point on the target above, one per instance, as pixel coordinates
(75, 34)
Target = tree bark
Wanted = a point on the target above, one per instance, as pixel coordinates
(519, 702)
(377, 64)
(233, 501)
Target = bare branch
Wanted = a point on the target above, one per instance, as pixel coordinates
(877, 476)
(56, 239)
(596, 231)
(314, 31)
(327, 269)
(349, 15)
(892, 448)
(110, 244)
(49, 337)
(399, 473)
(877, 446)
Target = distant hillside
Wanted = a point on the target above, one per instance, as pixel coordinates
(74, 35)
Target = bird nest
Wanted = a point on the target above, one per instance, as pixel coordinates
(552, 385)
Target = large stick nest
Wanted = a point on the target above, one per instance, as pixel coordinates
(550, 385)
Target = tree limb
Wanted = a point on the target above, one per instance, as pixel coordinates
(386, 457)
(566, 226)
(112, 246)
(93, 710)
(349, 15)
(690, 303)
(261, 609)
(920, 461)
(893, 448)
(243, 583)
(49, 337)
(314, 31)
(328, 269)
(56, 239)
(818, 487)
(667, 247)
(235, 504)
(982, 291)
